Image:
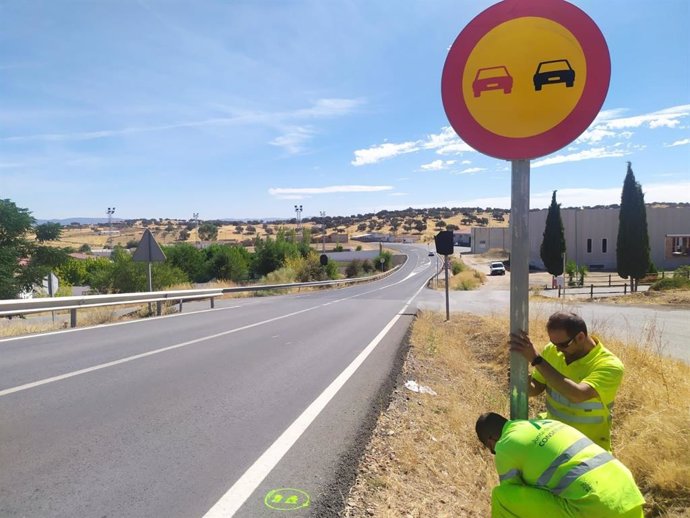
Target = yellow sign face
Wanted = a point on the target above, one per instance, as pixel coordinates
(516, 95)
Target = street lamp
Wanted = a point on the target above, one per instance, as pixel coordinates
(110, 212)
(322, 213)
(298, 212)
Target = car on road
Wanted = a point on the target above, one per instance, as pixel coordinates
(552, 72)
(497, 268)
(492, 78)
(431, 254)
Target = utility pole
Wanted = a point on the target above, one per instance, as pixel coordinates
(110, 212)
(323, 231)
(298, 212)
(195, 219)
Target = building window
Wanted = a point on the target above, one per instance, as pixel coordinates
(589, 246)
(604, 246)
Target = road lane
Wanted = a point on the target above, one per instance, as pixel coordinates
(166, 435)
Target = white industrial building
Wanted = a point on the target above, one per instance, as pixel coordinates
(591, 235)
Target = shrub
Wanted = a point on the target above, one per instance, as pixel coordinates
(671, 283)
(354, 269)
(682, 272)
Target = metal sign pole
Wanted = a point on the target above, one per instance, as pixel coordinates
(150, 278)
(519, 283)
(447, 297)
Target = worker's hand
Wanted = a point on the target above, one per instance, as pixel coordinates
(521, 344)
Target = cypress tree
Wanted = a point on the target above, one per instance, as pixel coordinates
(632, 245)
(553, 245)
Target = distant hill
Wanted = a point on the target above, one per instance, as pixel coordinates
(81, 221)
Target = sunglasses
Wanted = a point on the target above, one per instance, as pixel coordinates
(563, 345)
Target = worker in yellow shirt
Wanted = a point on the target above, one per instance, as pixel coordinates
(549, 469)
(580, 376)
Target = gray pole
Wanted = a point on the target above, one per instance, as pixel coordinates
(447, 296)
(519, 283)
(150, 279)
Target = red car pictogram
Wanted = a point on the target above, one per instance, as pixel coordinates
(492, 78)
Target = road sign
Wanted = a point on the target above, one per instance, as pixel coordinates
(51, 284)
(525, 78)
(148, 250)
(444, 242)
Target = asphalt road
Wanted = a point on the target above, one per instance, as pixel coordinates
(202, 414)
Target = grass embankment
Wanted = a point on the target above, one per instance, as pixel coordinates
(424, 459)
(463, 277)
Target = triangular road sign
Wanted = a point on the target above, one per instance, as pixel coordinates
(148, 250)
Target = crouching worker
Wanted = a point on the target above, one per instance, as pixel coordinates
(547, 468)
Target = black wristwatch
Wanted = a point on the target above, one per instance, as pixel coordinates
(537, 360)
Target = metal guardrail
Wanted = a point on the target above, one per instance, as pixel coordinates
(42, 305)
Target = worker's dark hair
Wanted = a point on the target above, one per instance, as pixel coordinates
(490, 425)
(571, 323)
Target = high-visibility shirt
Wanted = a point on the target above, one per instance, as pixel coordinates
(601, 370)
(553, 456)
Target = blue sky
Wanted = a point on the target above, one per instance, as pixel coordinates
(244, 108)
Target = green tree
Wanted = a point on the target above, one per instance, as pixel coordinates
(48, 232)
(208, 232)
(227, 262)
(632, 245)
(23, 263)
(189, 259)
(271, 254)
(553, 245)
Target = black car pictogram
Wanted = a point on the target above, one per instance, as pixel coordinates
(552, 72)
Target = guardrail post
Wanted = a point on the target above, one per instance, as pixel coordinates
(213, 302)
(180, 305)
(625, 288)
(73, 317)
(609, 279)
(559, 292)
(159, 308)
(591, 291)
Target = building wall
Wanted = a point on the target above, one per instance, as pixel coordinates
(597, 225)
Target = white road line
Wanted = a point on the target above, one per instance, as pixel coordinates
(235, 497)
(78, 329)
(72, 374)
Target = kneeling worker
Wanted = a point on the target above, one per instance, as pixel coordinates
(547, 468)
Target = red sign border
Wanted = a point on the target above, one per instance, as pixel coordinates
(594, 93)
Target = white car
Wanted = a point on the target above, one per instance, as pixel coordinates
(497, 268)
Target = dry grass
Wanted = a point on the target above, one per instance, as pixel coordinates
(424, 459)
(662, 298)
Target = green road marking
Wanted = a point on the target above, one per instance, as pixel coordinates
(286, 499)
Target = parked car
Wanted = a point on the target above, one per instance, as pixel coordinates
(492, 78)
(497, 268)
(552, 72)
(431, 254)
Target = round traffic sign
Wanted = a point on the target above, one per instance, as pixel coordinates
(525, 78)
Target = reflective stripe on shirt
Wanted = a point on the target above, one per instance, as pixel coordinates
(510, 474)
(564, 457)
(562, 416)
(560, 398)
(579, 470)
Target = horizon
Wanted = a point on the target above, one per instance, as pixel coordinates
(166, 110)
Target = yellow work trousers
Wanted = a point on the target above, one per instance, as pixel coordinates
(516, 501)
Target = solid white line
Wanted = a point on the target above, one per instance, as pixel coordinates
(139, 321)
(72, 374)
(235, 497)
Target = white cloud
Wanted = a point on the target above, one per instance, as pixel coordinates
(321, 108)
(472, 170)
(294, 140)
(438, 165)
(599, 152)
(301, 191)
(681, 142)
(466, 162)
(377, 153)
(444, 143)
(668, 117)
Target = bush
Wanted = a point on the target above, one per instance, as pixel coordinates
(85, 249)
(354, 269)
(682, 272)
(367, 266)
(671, 283)
(457, 266)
